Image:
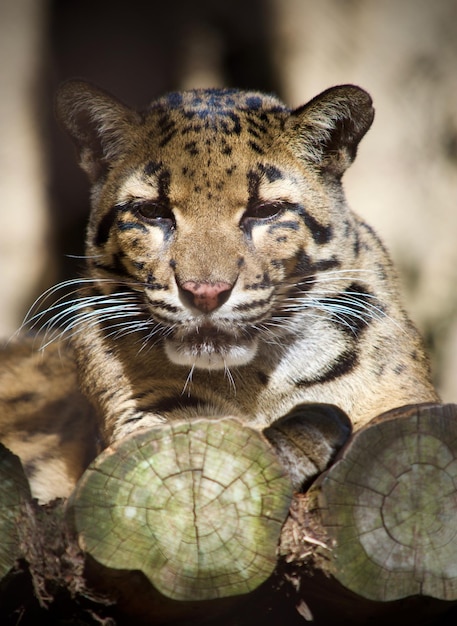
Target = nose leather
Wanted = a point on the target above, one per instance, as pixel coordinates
(206, 296)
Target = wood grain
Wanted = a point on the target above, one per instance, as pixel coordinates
(197, 507)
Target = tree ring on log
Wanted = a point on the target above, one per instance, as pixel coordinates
(413, 516)
(196, 506)
(390, 506)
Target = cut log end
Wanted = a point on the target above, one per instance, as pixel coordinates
(197, 507)
(389, 506)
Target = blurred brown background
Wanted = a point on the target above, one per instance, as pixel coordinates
(405, 179)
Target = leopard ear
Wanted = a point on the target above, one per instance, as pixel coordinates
(97, 123)
(327, 130)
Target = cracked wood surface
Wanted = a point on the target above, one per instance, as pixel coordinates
(196, 506)
(389, 506)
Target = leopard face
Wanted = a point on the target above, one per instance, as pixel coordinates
(211, 217)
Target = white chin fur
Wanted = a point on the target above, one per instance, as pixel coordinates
(207, 357)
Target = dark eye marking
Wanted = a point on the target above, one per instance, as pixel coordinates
(284, 224)
(131, 226)
(104, 227)
(320, 233)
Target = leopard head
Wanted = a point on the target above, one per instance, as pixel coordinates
(214, 208)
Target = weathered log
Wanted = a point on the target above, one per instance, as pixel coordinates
(389, 506)
(14, 497)
(378, 530)
(373, 540)
(197, 508)
(41, 568)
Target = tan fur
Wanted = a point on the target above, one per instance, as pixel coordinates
(232, 192)
(44, 418)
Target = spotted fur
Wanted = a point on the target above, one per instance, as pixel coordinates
(226, 274)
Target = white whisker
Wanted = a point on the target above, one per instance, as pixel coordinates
(84, 256)
(74, 311)
(229, 376)
(326, 296)
(188, 383)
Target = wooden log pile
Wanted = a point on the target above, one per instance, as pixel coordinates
(197, 522)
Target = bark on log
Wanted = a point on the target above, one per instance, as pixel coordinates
(14, 497)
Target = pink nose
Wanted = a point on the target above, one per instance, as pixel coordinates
(206, 296)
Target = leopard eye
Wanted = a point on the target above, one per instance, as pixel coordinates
(262, 211)
(155, 213)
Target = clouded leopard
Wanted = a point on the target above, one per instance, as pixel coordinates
(225, 276)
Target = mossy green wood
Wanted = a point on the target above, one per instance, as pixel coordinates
(390, 506)
(14, 493)
(197, 507)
